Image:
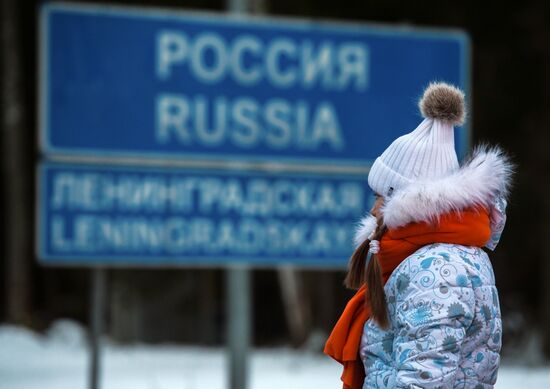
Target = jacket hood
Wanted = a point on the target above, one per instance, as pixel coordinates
(485, 175)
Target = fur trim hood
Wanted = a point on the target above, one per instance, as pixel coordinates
(483, 177)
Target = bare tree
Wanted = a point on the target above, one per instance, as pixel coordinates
(17, 205)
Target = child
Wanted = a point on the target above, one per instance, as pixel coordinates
(426, 314)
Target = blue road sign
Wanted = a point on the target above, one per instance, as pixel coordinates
(161, 84)
(116, 215)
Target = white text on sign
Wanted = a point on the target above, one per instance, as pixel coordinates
(245, 121)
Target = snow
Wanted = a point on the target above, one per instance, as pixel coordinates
(58, 360)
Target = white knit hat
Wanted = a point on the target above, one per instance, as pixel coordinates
(429, 151)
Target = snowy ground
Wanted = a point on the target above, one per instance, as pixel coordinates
(59, 361)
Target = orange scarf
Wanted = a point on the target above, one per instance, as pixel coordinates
(467, 227)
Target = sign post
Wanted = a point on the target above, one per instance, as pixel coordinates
(97, 314)
(239, 327)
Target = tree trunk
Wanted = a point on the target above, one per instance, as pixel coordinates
(18, 241)
(545, 193)
(297, 305)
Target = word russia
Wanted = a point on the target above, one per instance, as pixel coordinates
(245, 123)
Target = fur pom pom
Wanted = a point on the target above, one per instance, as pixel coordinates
(444, 102)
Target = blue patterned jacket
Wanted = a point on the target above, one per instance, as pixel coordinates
(445, 329)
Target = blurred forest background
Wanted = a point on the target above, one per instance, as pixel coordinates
(510, 106)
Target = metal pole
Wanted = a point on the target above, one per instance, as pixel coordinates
(96, 313)
(237, 6)
(238, 324)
